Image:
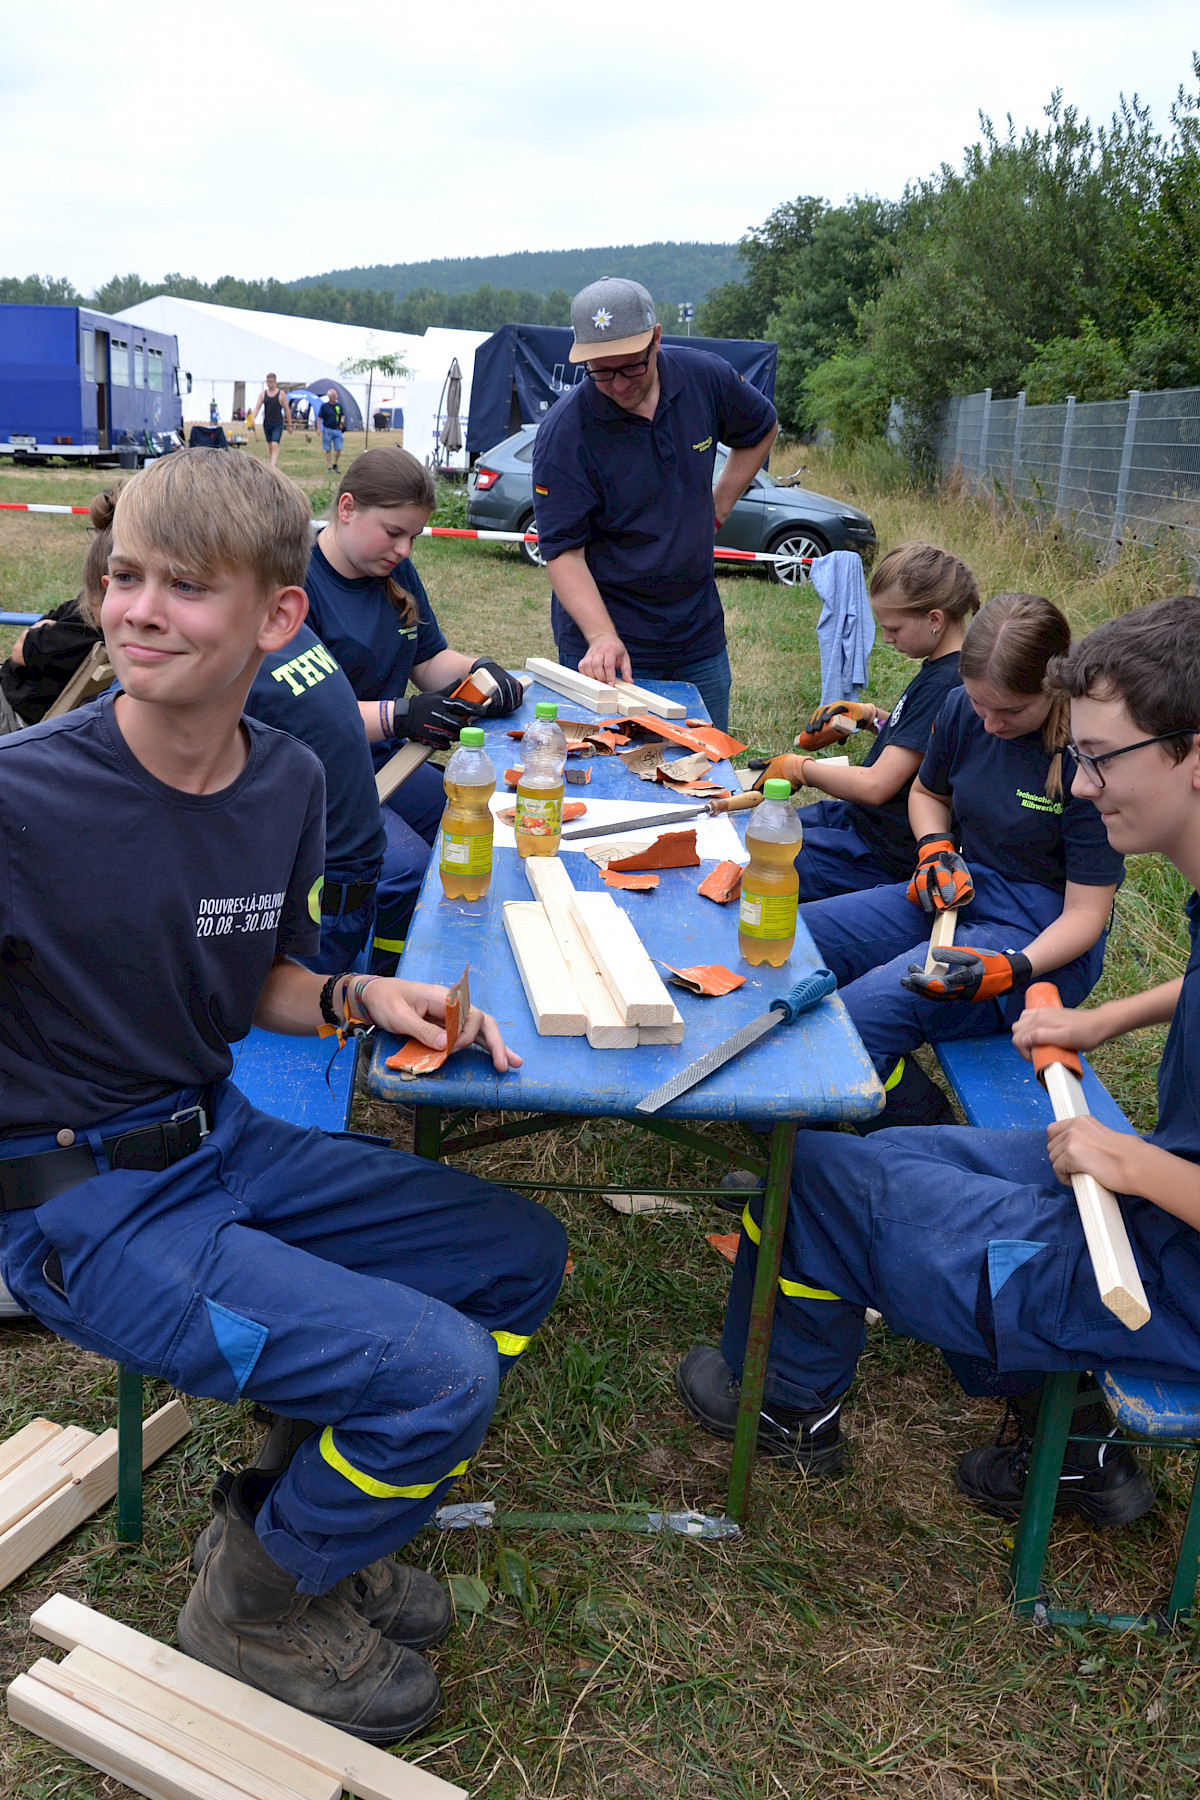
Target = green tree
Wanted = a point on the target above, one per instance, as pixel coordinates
(1089, 366)
(37, 290)
(742, 308)
(376, 362)
(846, 394)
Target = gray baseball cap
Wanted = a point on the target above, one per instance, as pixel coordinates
(611, 317)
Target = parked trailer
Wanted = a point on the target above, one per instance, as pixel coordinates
(83, 386)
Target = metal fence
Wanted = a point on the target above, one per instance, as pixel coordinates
(1116, 471)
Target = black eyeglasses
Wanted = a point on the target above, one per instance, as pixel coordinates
(630, 371)
(1091, 764)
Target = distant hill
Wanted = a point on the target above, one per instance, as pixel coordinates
(671, 271)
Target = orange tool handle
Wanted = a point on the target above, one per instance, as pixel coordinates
(1044, 993)
(736, 802)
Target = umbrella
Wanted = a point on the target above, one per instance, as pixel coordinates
(450, 436)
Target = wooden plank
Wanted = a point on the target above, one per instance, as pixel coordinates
(92, 1480)
(1108, 1244)
(396, 771)
(597, 696)
(22, 1444)
(27, 1487)
(553, 1001)
(369, 1773)
(93, 676)
(665, 709)
(940, 937)
(185, 1729)
(631, 708)
(113, 1748)
(662, 1034)
(621, 958)
(606, 1030)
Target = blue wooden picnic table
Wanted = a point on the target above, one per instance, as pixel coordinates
(813, 1071)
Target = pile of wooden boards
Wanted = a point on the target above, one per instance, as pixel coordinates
(583, 966)
(53, 1477)
(176, 1730)
(621, 697)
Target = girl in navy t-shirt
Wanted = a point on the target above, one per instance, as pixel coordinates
(923, 600)
(367, 605)
(1034, 883)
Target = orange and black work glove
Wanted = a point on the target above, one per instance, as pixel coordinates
(941, 878)
(782, 768)
(967, 974)
(819, 731)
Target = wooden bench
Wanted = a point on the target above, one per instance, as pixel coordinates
(998, 1089)
(280, 1075)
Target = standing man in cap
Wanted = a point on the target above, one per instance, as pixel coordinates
(624, 497)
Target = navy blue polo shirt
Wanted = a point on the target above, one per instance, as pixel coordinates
(301, 690)
(636, 495)
(885, 828)
(1178, 1128)
(356, 620)
(1006, 820)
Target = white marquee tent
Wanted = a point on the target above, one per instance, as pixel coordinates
(228, 350)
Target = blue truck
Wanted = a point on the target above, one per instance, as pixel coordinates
(80, 385)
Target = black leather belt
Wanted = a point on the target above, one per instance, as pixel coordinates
(336, 898)
(27, 1181)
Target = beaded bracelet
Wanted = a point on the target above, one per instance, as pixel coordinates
(353, 997)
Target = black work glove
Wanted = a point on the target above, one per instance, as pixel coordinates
(433, 719)
(967, 974)
(510, 694)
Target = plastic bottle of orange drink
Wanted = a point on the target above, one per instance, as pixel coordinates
(767, 912)
(466, 857)
(538, 824)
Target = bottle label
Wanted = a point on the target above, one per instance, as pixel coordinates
(767, 915)
(538, 818)
(467, 855)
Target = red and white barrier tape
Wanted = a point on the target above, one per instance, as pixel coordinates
(28, 506)
(448, 531)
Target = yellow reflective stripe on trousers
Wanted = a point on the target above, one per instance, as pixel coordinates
(380, 1490)
(509, 1344)
(391, 945)
(894, 1078)
(794, 1290)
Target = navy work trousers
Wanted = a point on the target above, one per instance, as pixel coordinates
(869, 939)
(833, 858)
(966, 1240)
(326, 1277)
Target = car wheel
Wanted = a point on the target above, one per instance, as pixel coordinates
(530, 552)
(798, 542)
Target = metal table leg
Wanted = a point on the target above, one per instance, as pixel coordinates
(129, 1455)
(762, 1314)
(427, 1132)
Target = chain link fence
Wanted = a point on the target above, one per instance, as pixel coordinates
(1116, 471)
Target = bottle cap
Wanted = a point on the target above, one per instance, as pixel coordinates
(777, 790)
(545, 710)
(471, 737)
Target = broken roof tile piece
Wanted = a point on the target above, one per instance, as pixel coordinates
(707, 978)
(724, 884)
(671, 850)
(637, 884)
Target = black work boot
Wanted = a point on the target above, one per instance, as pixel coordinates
(910, 1098)
(245, 1617)
(808, 1441)
(405, 1604)
(1102, 1482)
(736, 1187)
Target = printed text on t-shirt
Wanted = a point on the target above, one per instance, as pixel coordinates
(225, 914)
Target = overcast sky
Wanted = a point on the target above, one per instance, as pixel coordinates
(256, 138)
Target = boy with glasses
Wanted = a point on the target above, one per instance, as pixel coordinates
(970, 1239)
(624, 498)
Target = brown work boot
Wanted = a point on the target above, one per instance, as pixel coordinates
(404, 1604)
(245, 1617)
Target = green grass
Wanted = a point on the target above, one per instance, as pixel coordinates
(856, 1643)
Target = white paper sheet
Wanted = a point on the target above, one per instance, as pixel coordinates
(716, 839)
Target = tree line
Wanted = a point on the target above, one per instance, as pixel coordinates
(486, 309)
(672, 271)
(1064, 260)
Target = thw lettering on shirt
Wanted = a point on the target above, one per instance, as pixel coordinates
(307, 670)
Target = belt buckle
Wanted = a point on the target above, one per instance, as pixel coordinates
(193, 1112)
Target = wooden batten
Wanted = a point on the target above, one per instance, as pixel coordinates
(941, 936)
(606, 1027)
(396, 771)
(621, 958)
(597, 696)
(553, 999)
(665, 709)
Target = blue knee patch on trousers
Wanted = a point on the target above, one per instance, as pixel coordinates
(240, 1341)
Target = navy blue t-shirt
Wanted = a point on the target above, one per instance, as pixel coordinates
(138, 923)
(356, 620)
(1178, 1128)
(636, 495)
(331, 415)
(885, 828)
(301, 690)
(1006, 820)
